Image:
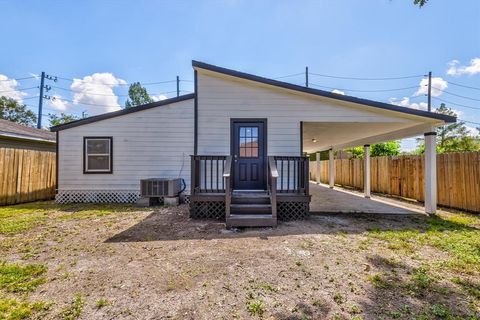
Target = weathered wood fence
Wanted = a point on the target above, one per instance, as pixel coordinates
(26, 175)
(458, 177)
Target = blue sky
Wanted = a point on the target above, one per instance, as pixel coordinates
(153, 41)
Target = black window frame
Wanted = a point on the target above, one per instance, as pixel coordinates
(85, 171)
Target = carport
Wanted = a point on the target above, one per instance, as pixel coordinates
(389, 123)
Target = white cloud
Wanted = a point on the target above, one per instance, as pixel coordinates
(8, 88)
(159, 97)
(96, 91)
(35, 75)
(455, 69)
(405, 102)
(57, 103)
(472, 131)
(438, 85)
(338, 92)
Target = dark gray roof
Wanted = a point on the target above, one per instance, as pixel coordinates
(15, 130)
(322, 93)
(122, 112)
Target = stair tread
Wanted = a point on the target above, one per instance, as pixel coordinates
(250, 205)
(250, 195)
(251, 216)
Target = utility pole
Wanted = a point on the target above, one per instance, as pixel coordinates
(40, 101)
(430, 91)
(306, 77)
(178, 86)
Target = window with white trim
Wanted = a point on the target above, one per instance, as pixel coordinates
(98, 155)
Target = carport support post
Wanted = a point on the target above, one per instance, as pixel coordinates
(317, 174)
(331, 168)
(431, 172)
(366, 170)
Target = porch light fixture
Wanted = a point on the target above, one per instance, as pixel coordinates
(314, 140)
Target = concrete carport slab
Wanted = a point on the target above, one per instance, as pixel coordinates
(327, 200)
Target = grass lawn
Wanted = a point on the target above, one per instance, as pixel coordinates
(123, 262)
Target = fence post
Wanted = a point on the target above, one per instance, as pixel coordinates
(331, 168)
(366, 171)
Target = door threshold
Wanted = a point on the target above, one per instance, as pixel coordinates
(249, 190)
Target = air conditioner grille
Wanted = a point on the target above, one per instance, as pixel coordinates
(160, 187)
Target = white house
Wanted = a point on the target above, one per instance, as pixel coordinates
(238, 142)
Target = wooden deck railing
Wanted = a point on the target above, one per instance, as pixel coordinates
(210, 174)
(207, 174)
(293, 174)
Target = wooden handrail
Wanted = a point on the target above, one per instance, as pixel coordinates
(273, 167)
(228, 167)
(273, 175)
(228, 185)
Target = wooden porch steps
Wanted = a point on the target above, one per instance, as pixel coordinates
(251, 220)
(251, 209)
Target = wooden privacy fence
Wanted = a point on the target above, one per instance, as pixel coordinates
(26, 175)
(458, 177)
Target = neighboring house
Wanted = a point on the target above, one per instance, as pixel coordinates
(238, 142)
(14, 135)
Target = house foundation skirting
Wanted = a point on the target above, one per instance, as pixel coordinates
(213, 207)
(288, 211)
(105, 196)
(214, 210)
(97, 196)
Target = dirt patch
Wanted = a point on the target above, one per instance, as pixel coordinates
(159, 264)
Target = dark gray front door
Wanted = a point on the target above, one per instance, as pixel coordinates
(249, 154)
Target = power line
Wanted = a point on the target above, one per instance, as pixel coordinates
(290, 75)
(478, 123)
(121, 84)
(463, 86)
(89, 104)
(456, 95)
(107, 95)
(456, 104)
(29, 98)
(355, 90)
(19, 89)
(18, 79)
(366, 79)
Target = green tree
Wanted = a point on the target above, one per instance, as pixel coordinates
(420, 3)
(56, 120)
(357, 152)
(137, 95)
(452, 137)
(11, 110)
(389, 148)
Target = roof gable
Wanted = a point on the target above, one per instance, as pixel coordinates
(322, 93)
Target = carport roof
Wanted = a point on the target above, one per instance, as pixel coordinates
(322, 93)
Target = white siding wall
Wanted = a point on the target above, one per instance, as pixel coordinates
(156, 142)
(220, 99)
